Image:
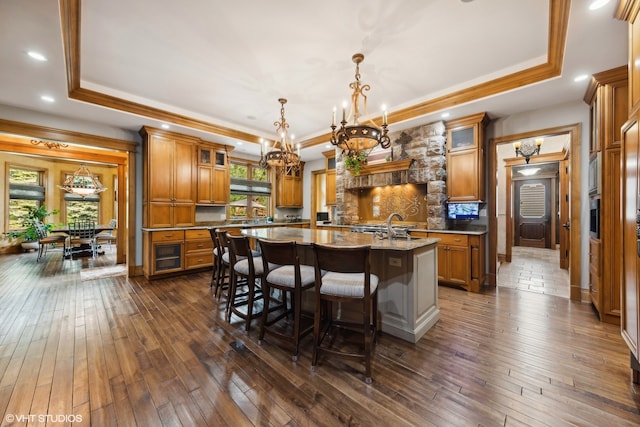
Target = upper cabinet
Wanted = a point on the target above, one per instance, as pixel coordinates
(465, 158)
(169, 190)
(180, 171)
(289, 188)
(213, 175)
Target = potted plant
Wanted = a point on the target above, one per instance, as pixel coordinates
(354, 160)
(28, 232)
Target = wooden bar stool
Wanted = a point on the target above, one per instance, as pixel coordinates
(220, 267)
(282, 270)
(343, 275)
(243, 265)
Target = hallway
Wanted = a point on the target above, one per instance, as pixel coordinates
(534, 270)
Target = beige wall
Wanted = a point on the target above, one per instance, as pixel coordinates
(54, 170)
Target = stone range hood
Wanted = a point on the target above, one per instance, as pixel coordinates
(419, 158)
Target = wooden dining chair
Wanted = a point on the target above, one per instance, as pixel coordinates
(108, 236)
(343, 275)
(45, 240)
(82, 238)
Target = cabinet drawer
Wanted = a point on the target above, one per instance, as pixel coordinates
(198, 245)
(169, 235)
(197, 234)
(451, 239)
(198, 260)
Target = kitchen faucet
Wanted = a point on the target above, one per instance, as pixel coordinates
(390, 232)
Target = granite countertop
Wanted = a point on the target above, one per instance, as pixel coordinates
(338, 238)
(207, 226)
(475, 232)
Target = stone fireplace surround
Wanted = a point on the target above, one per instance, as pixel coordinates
(426, 145)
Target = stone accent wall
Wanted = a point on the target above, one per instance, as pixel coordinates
(427, 146)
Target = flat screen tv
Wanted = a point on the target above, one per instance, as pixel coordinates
(463, 210)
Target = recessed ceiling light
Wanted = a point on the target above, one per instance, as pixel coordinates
(239, 142)
(47, 98)
(36, 55)
(445, 115)
(327, 146)
(165, 126)
(581, 77)
(597, 4)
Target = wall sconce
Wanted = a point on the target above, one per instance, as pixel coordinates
(527, 148)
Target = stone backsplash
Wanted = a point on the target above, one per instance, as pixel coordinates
(426, 145)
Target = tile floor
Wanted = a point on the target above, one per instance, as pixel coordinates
(534, 270)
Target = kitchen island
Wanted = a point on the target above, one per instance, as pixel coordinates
(407, 269)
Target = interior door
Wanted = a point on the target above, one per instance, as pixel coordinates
(532, 199)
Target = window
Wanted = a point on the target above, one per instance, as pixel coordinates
(250, 191)
(78, 208)
(26, 190)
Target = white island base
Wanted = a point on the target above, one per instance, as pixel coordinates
(407, 269)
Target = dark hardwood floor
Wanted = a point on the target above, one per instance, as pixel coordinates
(126, 351)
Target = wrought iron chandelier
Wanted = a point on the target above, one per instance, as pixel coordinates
(527, 148)
(82, 183)
(281, 156)
(358, 137)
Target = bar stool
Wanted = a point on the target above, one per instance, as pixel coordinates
(282, 270)
(220, 268)
(243, 265)
(343, 275)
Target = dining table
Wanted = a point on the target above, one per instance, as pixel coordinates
(83, 248)
(65, 228)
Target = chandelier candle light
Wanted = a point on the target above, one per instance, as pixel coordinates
(528, 148)
(281, 156)
(357, 137)
(82, 183)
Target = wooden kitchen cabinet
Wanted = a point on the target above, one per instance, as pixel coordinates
(465, 158)
(594, 272)
(289, 188)
(168, 252)
(331, 187)
(163, 252)
(198, 249)
(213, 176)
(607, 96)
(169, 179)
(461, 258)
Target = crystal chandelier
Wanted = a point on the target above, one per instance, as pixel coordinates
(281, 156)
(82, 183)
(527, 148)
(358, 137)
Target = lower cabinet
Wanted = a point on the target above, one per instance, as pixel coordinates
(461, 258)
(174, 251)
(594, 272)
(198, 249)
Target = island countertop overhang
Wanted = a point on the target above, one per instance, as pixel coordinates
(338, 238)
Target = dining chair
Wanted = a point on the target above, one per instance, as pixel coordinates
(45, 239)
(283, 271)
(343, 275)
(109, 236)
(243, 264)
(82, 238)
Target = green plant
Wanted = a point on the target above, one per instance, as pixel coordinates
(354, 160)
(28, 233)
